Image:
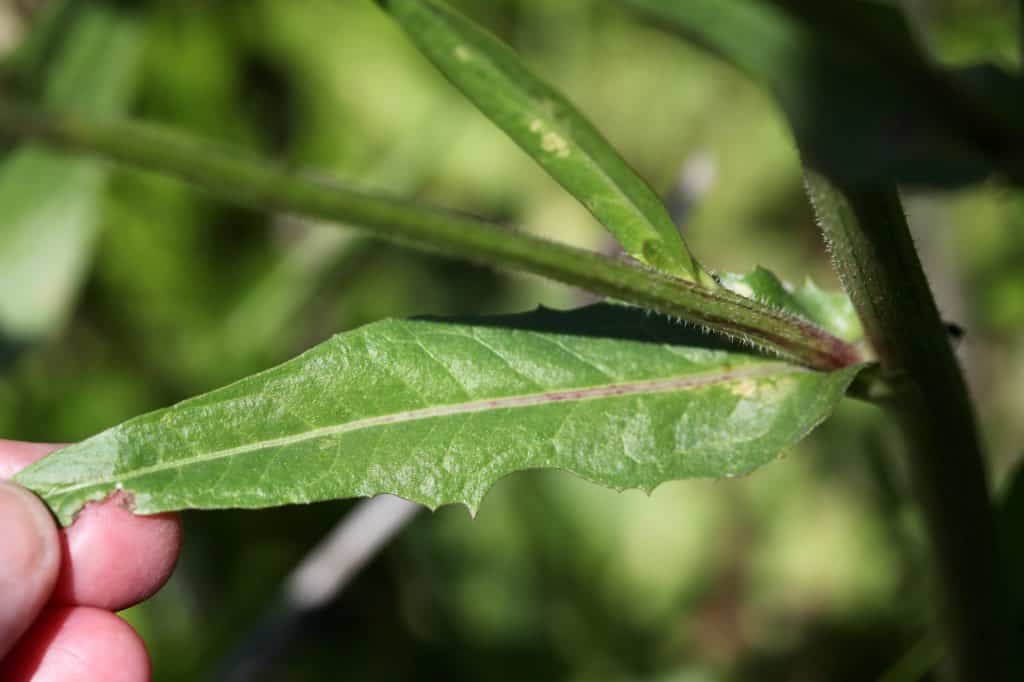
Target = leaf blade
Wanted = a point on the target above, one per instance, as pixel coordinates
(551, 130)
(438, 412)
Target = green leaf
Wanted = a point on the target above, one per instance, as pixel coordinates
(832, 310)
(550, 129)
(764, 286)
(874, 115)
(50, 203)
(437, 412)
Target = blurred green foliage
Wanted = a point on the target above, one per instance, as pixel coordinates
(812, 569)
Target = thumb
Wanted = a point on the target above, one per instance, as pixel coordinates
(29, 561)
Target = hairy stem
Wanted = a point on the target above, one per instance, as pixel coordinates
(236, 177)
(878, 265)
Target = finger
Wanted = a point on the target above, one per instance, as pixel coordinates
(29, 560)
(16, 455)
(72, 644)
(111, 558)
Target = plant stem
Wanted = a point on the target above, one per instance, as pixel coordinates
(875, 257)
(233, 176)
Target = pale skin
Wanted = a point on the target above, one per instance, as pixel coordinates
(60, 587)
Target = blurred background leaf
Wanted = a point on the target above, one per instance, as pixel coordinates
(864, 101)
(815, 570)
(83, 60)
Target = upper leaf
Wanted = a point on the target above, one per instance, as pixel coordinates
(50, 201)
(550, 129)
(437, 412)
(864, 103)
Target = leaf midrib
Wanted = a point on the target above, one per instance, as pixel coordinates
(598, 392)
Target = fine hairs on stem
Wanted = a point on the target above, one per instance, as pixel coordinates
(237, 177)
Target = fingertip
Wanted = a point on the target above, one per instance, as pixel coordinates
(16, 455)
(113, 558)
(78, 643)
(29, 561)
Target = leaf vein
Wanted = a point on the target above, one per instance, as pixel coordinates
(572, 395)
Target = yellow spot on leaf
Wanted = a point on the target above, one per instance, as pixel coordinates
(553, 143)
(745, 388)
(550, 141)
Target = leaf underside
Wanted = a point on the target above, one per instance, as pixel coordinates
(437, 412)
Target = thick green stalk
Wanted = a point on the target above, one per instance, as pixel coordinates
(233, 176)
(878, 265)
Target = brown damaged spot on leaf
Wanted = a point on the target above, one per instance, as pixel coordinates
(125, 499)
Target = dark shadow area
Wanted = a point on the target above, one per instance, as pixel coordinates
(839, 652)
(1011, 519)
(864, 101)
(10, 350)
(605, 320)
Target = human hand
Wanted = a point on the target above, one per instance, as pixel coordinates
(59, 587)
